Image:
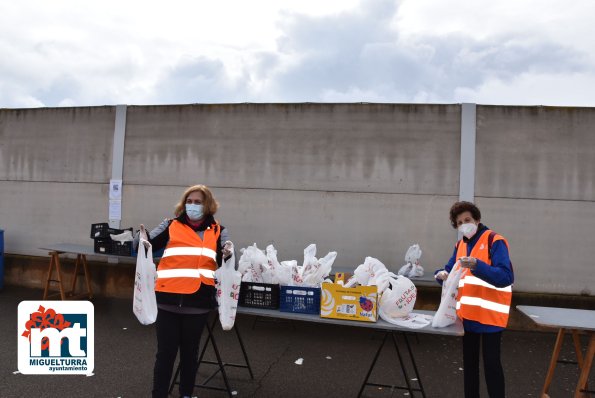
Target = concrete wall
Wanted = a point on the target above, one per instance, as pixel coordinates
(535, 182)
(361, 179)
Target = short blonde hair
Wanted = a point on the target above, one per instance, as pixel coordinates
(210, 205)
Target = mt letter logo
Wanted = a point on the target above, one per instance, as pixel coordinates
(56, 337)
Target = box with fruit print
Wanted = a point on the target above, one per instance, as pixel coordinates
(348, 303)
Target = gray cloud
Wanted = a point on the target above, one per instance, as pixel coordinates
(358, 55)
(361, 50)
(198, 80)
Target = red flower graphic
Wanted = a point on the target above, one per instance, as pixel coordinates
(45, 319)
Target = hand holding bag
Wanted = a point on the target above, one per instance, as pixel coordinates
(447, 311)
(228, 291)
(144, 303)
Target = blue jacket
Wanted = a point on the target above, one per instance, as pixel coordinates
(499, 274)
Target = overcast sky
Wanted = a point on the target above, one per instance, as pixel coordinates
(78, 53)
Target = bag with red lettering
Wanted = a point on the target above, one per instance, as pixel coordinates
(397, 302)
(144, 303)
(447, 311)
(228, 291)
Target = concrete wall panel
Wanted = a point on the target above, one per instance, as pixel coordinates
(34, 214)
(355, 225)
(361, 179)
(535, 152)
(335, 147)
(56, 144)
(551, 244)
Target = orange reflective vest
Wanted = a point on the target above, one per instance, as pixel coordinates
(187, 260)
(478, 300)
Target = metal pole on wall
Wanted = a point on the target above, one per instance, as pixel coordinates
(467, 168)
(115, 186)
(115, 189)
(467, 165)
(1, 259)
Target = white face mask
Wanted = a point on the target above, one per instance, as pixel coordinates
(468, 230)
(194, 212)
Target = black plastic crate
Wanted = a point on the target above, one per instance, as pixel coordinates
(109, 246)
(103, 231)
(259, 295)
(300, 299)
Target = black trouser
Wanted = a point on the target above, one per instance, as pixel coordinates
(177, 331)
(490, 347)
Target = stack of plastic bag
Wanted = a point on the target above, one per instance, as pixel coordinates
(398, 294)
(412, 269)
(254, 266)
(258, 266)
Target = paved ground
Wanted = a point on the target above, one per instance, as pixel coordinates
(335, 359)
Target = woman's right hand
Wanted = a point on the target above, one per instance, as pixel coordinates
(441, 276)
(143, 232)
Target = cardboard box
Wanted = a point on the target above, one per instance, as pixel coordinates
(354, 303)
(341, 277)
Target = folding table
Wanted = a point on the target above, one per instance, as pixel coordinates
(81, 252)
(389, 331)
(573, 321)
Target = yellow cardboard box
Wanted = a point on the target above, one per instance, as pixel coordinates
(350, 303)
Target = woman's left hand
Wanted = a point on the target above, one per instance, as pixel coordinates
(468, 262)
(227, 249)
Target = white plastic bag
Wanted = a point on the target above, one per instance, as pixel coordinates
(413, 254)
(396, 304)
(447, 311)
(399, 300)
(405, 269)
(412, 269)
(144, 304)
(371, 272)
(228, 291)
(412, 321)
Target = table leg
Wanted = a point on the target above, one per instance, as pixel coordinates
(421, 387)
(87, 277)
(54, 263)
(553, 361)
(577, 348)
(586, 369)
(361, 390)
(244, 352)
(81, 259)
(402, 363)
(220, 362)
(75, 274)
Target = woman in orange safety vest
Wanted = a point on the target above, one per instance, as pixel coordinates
(185, 285)
(484, 296)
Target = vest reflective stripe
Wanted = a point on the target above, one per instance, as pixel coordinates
(479, 302)
(473, 280)
(188, 261)
(185, 273)
(190, 251)
(477, 299)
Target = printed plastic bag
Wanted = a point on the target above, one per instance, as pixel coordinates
(398, 301)
(396, 304)
(144, 304)
(447, 311)
(228, 291)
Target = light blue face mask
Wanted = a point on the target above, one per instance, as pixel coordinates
(194, 212)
